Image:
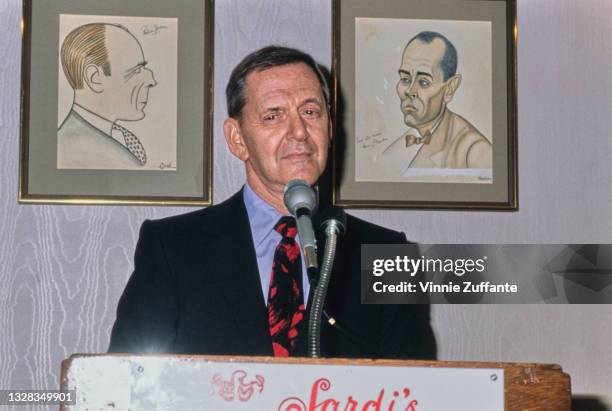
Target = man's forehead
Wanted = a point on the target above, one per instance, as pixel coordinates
(419, 53)
(412, 66)
(296, 81)
(122, 44)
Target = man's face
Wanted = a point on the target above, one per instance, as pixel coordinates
(284, 125)
(127, 88)
(421, 87)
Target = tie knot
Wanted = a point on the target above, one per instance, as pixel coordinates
(286, 227)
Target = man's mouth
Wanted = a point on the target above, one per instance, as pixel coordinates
(409, 108)
(142, 97)
(297, 156)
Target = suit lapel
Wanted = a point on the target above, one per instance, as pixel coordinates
(240, 278)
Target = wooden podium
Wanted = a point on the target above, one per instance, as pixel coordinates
(175, 382)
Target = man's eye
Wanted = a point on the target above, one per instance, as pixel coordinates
(138, 70)
(311, 112)
(270, 117)
(424, 83)
(405, 80)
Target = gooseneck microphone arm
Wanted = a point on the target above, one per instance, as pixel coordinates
(332, 229)
(334, 225)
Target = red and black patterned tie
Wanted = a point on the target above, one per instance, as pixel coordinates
(285, 299)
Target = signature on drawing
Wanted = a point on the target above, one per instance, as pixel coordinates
(371, 140)
(163, 166)
(152, 30)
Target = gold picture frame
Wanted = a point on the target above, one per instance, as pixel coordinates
(167, 95)
(377, 161)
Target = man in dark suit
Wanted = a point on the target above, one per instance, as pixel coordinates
(208, 282)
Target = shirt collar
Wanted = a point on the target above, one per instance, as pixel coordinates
(262, 216)
(102, 124)
(92, 118)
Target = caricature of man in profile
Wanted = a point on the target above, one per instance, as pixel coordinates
(105, 66)
(428, 80)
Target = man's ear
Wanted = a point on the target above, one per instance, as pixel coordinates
(235, 138)
(452, 84)
(93, 78)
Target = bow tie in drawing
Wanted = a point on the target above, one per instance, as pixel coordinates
(133, 144)
(412, 139)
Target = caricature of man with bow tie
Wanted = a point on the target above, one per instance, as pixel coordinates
(428, 80)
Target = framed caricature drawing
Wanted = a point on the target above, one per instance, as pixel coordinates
(425, 105)
(116, 105)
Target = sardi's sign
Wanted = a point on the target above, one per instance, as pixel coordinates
(189, 383)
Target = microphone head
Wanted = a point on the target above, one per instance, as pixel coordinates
(298, 194)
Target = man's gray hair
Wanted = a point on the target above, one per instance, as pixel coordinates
(262, 59)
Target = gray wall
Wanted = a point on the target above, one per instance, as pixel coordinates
(63, 267)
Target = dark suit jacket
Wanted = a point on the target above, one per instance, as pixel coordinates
(196, 290)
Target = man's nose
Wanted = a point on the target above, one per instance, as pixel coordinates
(151, 81)
(297, 127)
(411, 90)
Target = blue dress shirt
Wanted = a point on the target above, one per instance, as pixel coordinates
(262, 218)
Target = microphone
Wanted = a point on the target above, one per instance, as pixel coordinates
(301, 201)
